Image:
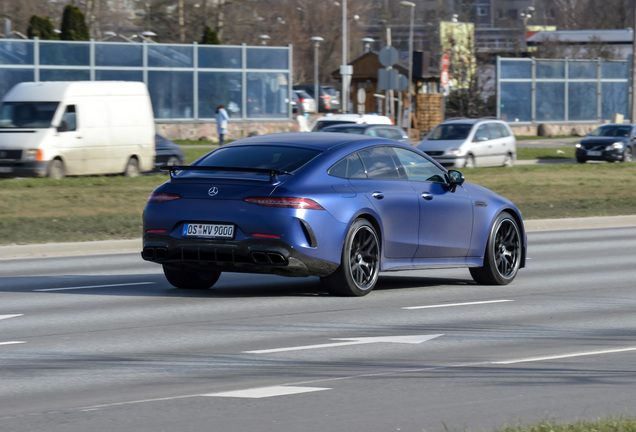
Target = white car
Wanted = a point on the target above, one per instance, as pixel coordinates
(336, 119)
(471, 143)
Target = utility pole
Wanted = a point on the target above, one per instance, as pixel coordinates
(633, 116)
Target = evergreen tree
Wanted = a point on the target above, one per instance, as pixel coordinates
(210, 37)
(41, 28)
(74, 26)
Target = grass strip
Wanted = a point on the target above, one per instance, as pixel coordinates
(108, 207)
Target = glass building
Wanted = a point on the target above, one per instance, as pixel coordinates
(185, 82)
(549, 91)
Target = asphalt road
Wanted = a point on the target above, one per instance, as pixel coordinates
(103, 343)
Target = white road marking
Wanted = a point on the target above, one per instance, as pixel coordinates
(9, 316)
(416, 339)
(93, 286)
(12, 342)
(316, 381)
(264, 392)
(457, 304)
(562, 356)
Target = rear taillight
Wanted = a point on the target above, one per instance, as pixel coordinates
(285, 202)
(163, 197)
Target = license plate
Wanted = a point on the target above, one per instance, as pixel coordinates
(208, 230)
(6, 169)
(594, 153)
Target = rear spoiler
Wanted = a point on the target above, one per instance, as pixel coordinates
(273, 173)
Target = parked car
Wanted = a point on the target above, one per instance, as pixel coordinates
(328, 99)
(168, 153)
(610, 142)
(471, 143)
(327, 205)
(384, 131)
(309, 103)
(336, 119)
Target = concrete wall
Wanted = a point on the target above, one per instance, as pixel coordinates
(551, 130)
(237, 130)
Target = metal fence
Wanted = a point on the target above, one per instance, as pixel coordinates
(186, 82)
(542, 91)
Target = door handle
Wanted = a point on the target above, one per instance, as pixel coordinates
(427, 196)
(377, 195)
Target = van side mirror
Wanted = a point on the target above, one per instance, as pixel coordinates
(455, 178)
(63, 127)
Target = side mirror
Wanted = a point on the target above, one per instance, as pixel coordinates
(455, 178)
(63, 127)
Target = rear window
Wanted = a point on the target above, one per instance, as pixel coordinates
(262, 157)
(324, 123)
(455, 131)
(349, 130)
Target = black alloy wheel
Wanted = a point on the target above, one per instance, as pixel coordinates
(360, 264)
(502, 257)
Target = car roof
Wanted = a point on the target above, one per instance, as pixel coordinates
(355, 117)
(471, 120)
(316, 140)
(358, 126)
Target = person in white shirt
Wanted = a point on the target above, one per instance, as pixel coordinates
(221, 123)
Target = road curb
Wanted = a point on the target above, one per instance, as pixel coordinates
(134, 245)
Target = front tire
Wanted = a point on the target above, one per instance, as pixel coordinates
(186, 279)
(360, 263)
(56, 169)
(470, 161)
(502, 257)
(627, 155)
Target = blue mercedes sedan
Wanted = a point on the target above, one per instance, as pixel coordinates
(340, 207)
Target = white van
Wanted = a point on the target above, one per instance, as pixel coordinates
(60, 128)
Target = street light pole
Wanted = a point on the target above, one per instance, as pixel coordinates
(316, 40)
(409, 96)
(345, 57)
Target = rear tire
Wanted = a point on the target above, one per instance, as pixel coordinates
(186, 279)
(508, 160)
(360, 262)
(132, 168)
(502, 257)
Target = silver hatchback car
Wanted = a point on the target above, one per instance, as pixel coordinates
(471, 143)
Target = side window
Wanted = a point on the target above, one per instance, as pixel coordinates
(493, 131)
(69, 119)
(348, 167)
(503, 130)
(379, 163)
(418, 168)
(481, 134)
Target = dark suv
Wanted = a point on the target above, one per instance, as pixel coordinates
(610, 142)
(329, 100)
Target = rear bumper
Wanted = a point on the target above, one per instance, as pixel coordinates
(263, 256)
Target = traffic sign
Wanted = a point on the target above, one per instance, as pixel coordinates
(445, 62)
(444, 77)
(388, 56)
